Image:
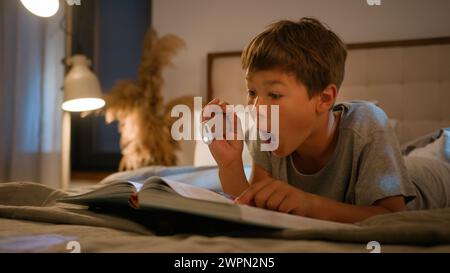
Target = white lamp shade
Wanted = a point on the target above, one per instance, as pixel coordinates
(82, 91)
(42, 8)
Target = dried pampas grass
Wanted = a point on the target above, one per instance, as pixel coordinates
(144, 120)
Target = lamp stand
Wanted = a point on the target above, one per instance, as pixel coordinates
(66, 123)
(65, 151)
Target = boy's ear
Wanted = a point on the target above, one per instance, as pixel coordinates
(327, 98)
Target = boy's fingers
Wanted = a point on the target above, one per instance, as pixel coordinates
(208, 110)
(218, 144)
(286, 205)
(223, 105)
(276, 199)
(247, 196)
(214, 106)
(237, 127)
(214, 101)
(230, 136)
(263, 195)
(203, 114)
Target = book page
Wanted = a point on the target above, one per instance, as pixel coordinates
(194, 192)
(137, 185)
(288, 221)
(116, 192)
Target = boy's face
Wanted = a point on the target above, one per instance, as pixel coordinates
(297, 112)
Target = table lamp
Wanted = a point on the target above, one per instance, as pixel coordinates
(82, 92)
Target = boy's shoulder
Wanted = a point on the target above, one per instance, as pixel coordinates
(363, 117)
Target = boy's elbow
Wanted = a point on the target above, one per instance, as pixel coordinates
(392, 204)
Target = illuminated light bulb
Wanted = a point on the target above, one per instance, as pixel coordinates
(81, 105)
(42, 8)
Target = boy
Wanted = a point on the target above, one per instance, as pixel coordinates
(334, 162)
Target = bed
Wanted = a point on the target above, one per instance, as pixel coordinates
(410, 80)
(32, 221)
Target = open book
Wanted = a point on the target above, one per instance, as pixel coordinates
(167, 195)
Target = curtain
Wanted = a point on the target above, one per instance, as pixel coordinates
(31, 78)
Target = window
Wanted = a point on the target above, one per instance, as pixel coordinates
(110, 33)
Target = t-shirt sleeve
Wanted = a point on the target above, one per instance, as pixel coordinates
(260, 158)
(382, 171)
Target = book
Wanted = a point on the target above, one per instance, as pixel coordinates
(163, 194)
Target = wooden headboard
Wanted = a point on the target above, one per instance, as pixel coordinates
(410, 80)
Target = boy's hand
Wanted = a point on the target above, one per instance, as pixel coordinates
(275, 195)
(225, 152)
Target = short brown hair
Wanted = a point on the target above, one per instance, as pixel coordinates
(307, 48)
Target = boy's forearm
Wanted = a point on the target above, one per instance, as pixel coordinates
(327, 209)
(232, 178)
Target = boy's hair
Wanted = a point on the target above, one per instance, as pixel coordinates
(308, 49)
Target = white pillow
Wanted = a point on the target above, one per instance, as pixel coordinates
(438, 149)
(203, 157)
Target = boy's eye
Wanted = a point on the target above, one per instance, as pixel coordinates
(274, 96)
(251, 93)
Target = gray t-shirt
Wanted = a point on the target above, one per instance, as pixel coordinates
(367, 164)
(431, 177)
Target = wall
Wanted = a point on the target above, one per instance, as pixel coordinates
(219, 25)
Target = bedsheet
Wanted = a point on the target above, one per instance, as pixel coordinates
(31, 220)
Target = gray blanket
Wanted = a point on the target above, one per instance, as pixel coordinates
(35, 202)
